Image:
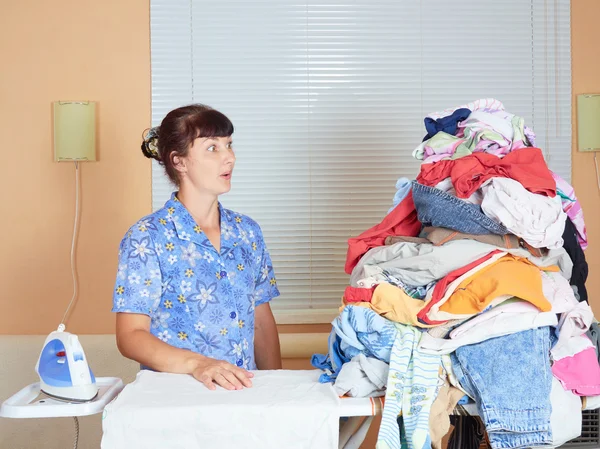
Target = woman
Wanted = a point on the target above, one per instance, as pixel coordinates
(195, 280)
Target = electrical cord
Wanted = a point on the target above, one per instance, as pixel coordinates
(76, 442)
(61, 327)
(597, 172)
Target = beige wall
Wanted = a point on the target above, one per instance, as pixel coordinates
(585, 47)
(100, 51)
(57, 51)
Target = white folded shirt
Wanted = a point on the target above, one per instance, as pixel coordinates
(497, 326)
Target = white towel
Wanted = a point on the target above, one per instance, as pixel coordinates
(571, 332)
(283, 409)
(362, 377)
(539, 220)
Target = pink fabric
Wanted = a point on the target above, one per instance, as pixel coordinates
(572, 209)
(490, 104)
(580, 373)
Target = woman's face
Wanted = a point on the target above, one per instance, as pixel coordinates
(208, 167)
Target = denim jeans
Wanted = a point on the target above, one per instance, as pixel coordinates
(440, 209)
(511, 381)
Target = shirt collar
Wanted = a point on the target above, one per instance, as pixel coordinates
(187, 229)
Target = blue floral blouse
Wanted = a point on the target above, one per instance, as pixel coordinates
(198, 299)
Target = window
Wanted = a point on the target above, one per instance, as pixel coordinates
(328, 100)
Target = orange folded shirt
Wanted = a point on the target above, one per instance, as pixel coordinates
(510, 275)
(393, 304)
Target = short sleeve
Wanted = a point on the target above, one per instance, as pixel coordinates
(266, 284)
(138, 286)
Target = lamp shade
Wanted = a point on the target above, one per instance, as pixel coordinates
(588, 122)
(74, 131)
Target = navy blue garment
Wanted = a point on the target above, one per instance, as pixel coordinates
(468, 432)
(580, 266)
(446, 124)
(440, 209)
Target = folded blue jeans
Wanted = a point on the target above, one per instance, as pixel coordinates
(510, 379)
(438, 208)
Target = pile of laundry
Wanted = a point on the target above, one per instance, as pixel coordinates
(472, 288)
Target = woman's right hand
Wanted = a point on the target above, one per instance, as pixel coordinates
(211, 371)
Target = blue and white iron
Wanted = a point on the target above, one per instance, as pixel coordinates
(63, 368)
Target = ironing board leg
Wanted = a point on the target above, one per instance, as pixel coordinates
(354, 432)
(348, 429)
(359, 436)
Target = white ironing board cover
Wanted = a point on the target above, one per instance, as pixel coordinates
(288, 409)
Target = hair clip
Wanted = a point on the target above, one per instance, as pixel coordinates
(151, 141)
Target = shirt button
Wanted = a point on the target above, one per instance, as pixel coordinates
(232, 315)
(239, 362)
(223, 274)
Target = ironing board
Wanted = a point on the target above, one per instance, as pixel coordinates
(29, 402)
(357, 413)
(357, 416)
